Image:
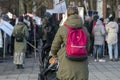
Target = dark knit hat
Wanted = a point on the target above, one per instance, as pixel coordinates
(111, 18)
(72, 11)
(96, 17)
(20, 19)
(102, 19)
(5, 17)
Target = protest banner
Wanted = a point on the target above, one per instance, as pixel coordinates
(6, 27)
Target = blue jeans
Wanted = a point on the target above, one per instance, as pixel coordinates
(98, 51)
(113, 48)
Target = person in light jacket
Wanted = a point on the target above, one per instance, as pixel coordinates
(112, 39)
(99, 34)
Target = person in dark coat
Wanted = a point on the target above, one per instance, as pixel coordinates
(91, 25)
(13, 23)
(118, 21)
(1, 42)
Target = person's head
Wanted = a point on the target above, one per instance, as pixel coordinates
(5, 17)
(13, 16)
(95, 17)
(21, 18)
(72, 11)
(118, 20)
(111, 18)
(34, 21)
(102, 19)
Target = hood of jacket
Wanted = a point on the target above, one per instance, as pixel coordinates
(112, 24)
(20, 25)
(74, 21)
(99, 22)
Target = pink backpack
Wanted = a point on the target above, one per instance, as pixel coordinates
(76, 44)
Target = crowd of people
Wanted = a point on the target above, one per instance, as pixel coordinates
(104, 37)
(27, 35)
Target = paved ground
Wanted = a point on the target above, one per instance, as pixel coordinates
(8, 70)
(104, 70)
(98, 71)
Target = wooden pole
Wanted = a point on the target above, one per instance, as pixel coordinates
(35, 39)
(104, 8)
(4, 50)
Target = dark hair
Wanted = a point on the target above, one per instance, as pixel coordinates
(96, 17)
(72, 11)
(20, 19)
(5, 17)
(111, 18)
(118, 20)
(102, 19)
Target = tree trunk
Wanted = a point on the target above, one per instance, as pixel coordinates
(21, 7)
(117, 3)
(91, 3)
(29, 4)
(113, 8)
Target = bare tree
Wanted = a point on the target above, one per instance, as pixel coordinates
(113, 9)
(21, 7)
(92, 4)
(29, 5)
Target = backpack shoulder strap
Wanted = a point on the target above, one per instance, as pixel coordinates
(19, 31)
(68, 26)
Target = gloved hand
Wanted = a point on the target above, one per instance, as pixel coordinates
(52, 60)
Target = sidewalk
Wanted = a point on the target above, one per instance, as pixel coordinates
(8, 70)
(104, 70)
(97, 70)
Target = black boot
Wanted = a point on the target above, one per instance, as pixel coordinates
(21, 66)
(18, 66)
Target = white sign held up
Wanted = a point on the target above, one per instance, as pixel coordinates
(6, 27)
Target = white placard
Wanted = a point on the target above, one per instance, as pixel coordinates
(6, 27)
(58, 8)
(100, 8)
(81, 13)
